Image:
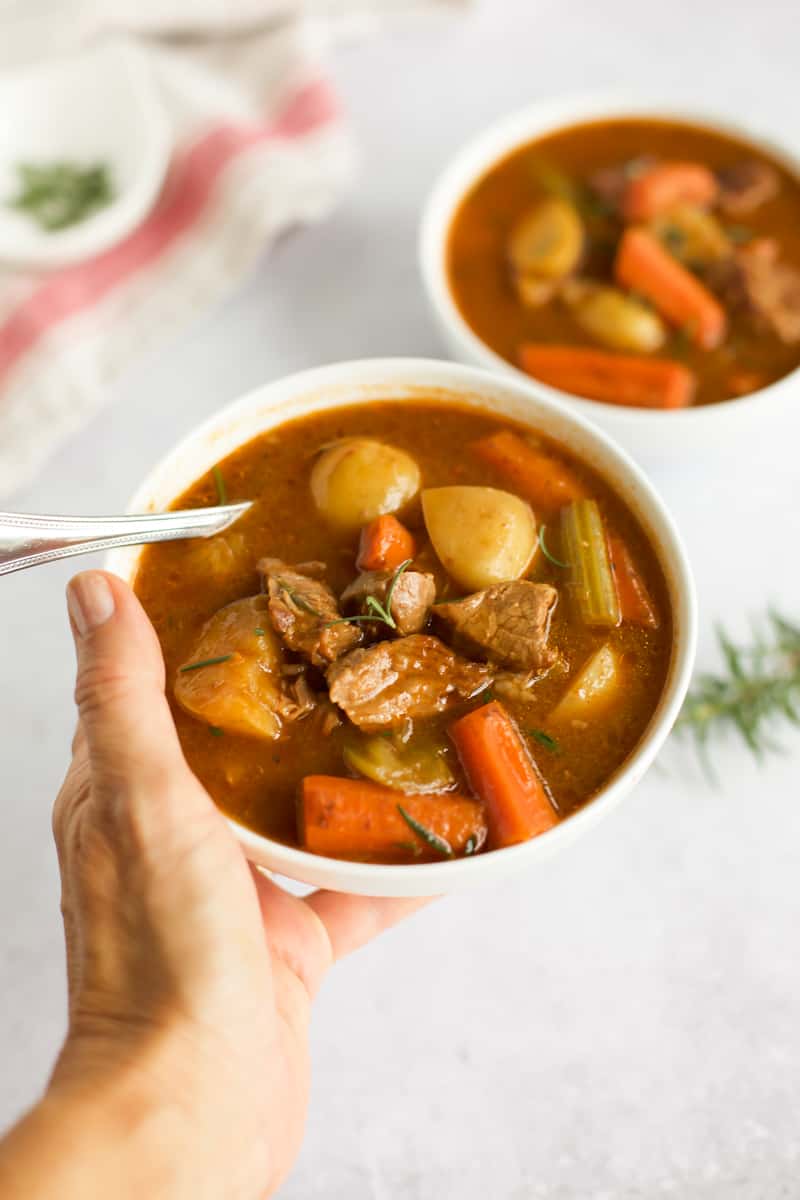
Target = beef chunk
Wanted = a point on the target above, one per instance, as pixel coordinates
(507, 623)
(755, 281)
(412, 596)
(301, 609)
(411, 677)
(246, 692)
(745, 186)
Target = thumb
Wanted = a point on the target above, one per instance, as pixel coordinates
(130, 733)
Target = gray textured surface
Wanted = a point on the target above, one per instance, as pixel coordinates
(624, 1023)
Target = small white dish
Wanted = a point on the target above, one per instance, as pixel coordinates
(653, 437)
(369, 382)
(99, 106)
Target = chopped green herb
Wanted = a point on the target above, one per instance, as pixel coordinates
(410, 848)
(215, 731)
(545, 740)
(739, 234)
(207, 662)
(59, 194)
(471, 846)
(297, 600)
(674, 237)
(222, 491)
(259, 632)
(432, 839)
(550, 557)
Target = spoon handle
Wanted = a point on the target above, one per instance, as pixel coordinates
(28, 539)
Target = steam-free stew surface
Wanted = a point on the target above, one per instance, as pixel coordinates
(182, 584)
(753, 276)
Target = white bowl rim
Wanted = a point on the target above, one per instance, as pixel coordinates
(493, 143)
(426, 879)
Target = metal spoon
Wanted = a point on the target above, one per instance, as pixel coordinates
(26, 539)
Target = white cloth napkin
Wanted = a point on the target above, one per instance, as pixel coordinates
(259, 144)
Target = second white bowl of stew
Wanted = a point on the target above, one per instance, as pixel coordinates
(642, 261)
(454, 628)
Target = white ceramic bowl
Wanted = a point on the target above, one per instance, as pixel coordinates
(369, 382)
(100, 105)
(651, 436)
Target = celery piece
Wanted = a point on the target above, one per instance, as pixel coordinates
(591, 582)
(417, 768)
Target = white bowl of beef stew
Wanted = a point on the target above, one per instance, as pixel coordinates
(393, 748)
(521, 255)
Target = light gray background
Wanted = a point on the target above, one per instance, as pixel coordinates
(624, 1022)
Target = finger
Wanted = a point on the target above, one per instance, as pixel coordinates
(295, 934)
(124, 714)
(351, 921)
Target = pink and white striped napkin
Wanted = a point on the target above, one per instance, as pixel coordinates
(260, 144)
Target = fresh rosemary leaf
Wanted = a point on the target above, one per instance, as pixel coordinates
(545, 740)
(550, 557)
(759, 684)
(207, 662)
(438, 844)
(377, 610)
(410, 848)
(222, 491)
(59, 194)
(297, 600)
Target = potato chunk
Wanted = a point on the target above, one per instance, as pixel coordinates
(592, 690)
(614, 319)
(244, 693)
(547, 240)
(357, 479)
(481, 535)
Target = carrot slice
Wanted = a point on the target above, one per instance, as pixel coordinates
(349, 818)
(615, 378)
(664, 185)
(385, 543)
(643, 265)
(539, 477)
(501, 771)
(635, 603)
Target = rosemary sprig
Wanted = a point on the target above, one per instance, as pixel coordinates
(207, 662)
(59, 194)
(760, 683)
(550, 557)
(377, 610)
(433, 840)
(297, 600)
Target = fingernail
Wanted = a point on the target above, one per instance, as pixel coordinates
(90, 601)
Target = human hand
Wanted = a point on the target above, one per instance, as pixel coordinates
(190, 975)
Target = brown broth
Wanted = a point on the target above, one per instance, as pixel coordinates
(181, 585)
(476, 254)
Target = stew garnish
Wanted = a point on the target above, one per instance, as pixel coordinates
(433, 840)
(207, 662)
(548, 555)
